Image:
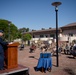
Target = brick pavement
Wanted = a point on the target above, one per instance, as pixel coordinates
(67, 64)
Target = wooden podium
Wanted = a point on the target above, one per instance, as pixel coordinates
(11, 56)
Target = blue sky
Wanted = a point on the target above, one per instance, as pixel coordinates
(37, 14)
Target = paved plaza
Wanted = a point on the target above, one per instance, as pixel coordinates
(67, 64)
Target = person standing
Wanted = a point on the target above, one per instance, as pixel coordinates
(3, 44)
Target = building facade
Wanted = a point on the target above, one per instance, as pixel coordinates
(65, 33)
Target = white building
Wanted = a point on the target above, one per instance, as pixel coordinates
(65, 33)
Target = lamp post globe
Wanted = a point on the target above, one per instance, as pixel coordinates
(56, 3)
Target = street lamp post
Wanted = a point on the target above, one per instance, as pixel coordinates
(22, 35)
(56, 4)
(22, 45)
(9, 30)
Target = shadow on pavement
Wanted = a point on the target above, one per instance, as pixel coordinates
(33, 57)
(69, 71)
(54, 65)
(70, 57)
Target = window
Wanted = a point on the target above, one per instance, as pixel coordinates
(41, 35)
(46, 35)
(52, 35)
(33, 36)
(70, 34)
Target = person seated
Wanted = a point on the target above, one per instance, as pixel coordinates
(42, 49)
(32, 48)
(73, 52)
(67, 49)
(54, 50)
(22, 47)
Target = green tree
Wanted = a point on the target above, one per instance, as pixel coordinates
(5, 27)
(21, 30)
(13, 32)
(27, 37)
(27, 29)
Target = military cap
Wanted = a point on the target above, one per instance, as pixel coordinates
(1, 31)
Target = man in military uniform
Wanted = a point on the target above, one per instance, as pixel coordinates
(3, 44)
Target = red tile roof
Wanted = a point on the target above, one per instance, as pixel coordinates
(54, 29)
(69, 25)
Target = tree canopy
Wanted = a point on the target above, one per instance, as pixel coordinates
(27, 37)
(11, 29)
